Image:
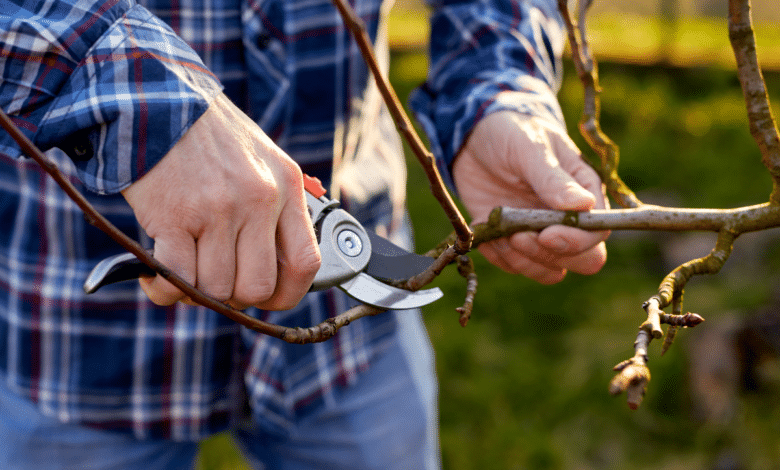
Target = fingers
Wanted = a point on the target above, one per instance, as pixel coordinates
(298, 258)
(588, 262)
(503, 255)
(276, 267)
(519, 161)
(227, 211)
(216, 265)
(256, 266)
(268, 269)
(176, 250)
(522, 254)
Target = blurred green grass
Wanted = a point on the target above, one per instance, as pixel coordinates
(619, 36)
(524, 385)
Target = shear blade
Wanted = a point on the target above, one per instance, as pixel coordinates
(390, 262)
(368, 290)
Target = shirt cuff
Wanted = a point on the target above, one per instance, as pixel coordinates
(448, 129)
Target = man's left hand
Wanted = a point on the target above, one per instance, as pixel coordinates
(520, 161)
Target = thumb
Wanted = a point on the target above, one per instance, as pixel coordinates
(543, 171)
(558, 190)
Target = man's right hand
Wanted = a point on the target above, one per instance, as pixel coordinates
(227, 212)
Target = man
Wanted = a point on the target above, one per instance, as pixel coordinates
(198, 130)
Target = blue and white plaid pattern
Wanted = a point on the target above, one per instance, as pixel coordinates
(114, 87)
(488, 56)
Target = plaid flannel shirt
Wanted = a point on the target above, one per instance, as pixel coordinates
(108, 86)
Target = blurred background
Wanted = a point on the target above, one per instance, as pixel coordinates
(524, 385)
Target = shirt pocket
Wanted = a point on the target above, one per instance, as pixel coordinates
(265, 43)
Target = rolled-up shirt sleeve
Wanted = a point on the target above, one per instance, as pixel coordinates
(104, 80)
(488, 56)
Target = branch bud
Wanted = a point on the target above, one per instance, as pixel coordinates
(632, 378)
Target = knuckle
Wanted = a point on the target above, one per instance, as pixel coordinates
(220, 200)
(263, 191)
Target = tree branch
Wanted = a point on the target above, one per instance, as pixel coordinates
(633, 374)
(405, 127)
(504, 221)
(762, 123)
(590, 127)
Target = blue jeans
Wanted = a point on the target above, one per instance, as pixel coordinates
(387, 420)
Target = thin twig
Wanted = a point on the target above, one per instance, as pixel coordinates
(444, 259)
(590, 127)
(96, 219)
(328, 328)
(466, 270)
(676, 280)
(634, 380)
(671, 332)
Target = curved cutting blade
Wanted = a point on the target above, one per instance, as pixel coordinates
(117, 268)
(368, 290)
(390, 262)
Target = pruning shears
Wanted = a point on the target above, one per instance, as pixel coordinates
(358, 261)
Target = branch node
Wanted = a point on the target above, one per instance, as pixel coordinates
(571, 219)
(633, 377)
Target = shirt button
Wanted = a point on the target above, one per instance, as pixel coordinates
(263, 40)
(80, 152)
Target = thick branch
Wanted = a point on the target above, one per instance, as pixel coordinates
(504, 221)
(762, 123)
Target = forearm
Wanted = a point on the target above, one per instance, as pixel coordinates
(104, 80)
